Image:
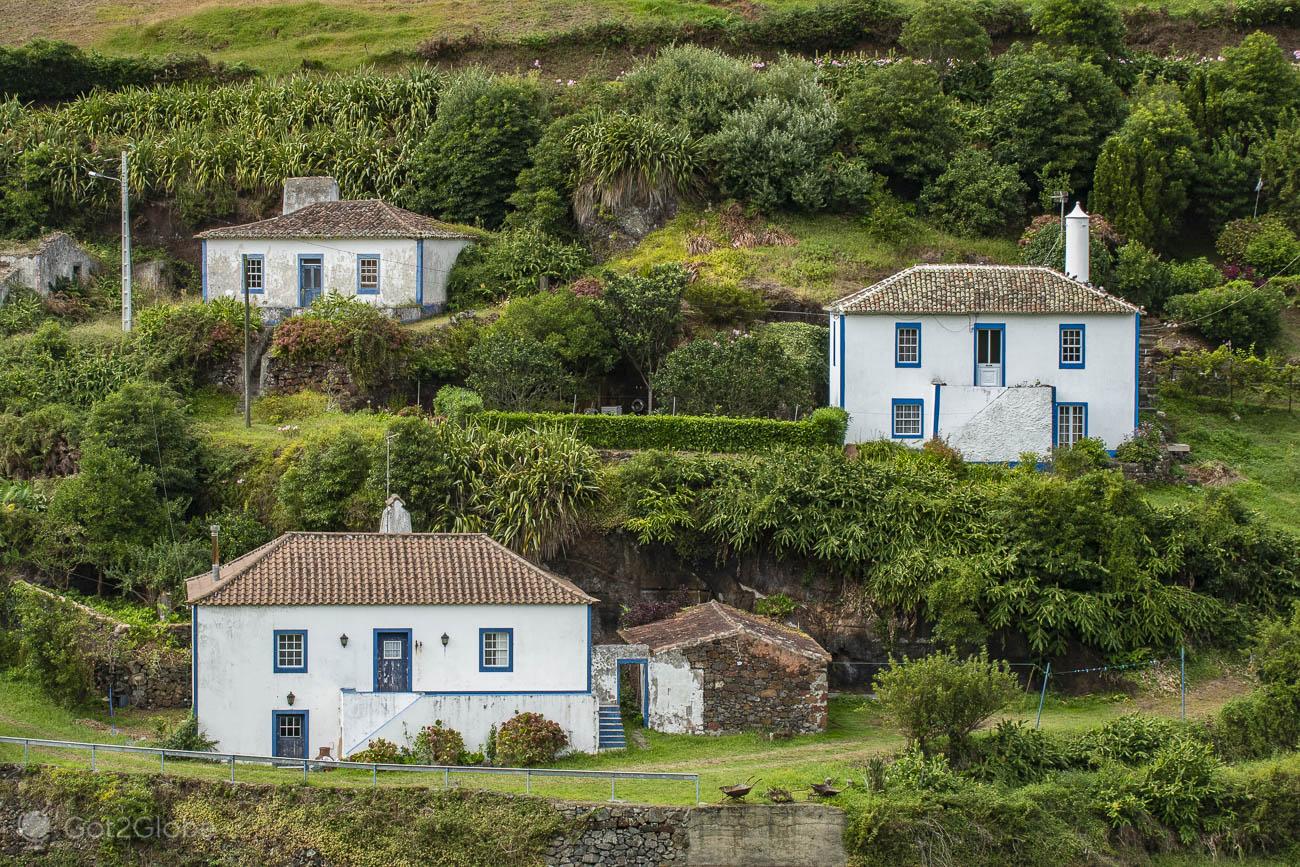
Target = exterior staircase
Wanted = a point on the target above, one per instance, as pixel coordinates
(611, 728)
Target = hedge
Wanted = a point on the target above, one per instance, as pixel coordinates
(825, 426)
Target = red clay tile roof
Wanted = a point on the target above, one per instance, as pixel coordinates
(383, 569)
(355, 218)
(713, 620)
(981, 289)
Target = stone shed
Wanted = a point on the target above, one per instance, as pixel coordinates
(713, 669)
(41, 264)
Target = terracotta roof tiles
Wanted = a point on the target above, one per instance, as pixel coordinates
(981, 289)
(355, 218)
(713, 620)
(383, 569)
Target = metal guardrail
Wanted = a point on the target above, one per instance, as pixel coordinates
(374, 767)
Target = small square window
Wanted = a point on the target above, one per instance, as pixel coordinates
(496, 649)
(907, 345)
(254, 274)
(392, 649)
(1071, 423)
(1071, 346)
(290, 725)
(368, 274)
(290, 650)
(907, 419)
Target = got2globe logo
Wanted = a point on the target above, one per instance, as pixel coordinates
(34, 826)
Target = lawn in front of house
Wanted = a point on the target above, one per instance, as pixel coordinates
(856, 732)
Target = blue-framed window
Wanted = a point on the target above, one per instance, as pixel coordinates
(289, 651)
(1071, 423)
(1070, 348)
(907, 344)
(368, 274)
(254, 274)
(496, 650)
(907, 416)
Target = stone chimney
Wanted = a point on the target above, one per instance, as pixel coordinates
(395, 518)
(1076, 245)
(301, 192)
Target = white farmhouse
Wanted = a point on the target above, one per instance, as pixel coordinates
(997, 360)
(334, 639)
(368, 249)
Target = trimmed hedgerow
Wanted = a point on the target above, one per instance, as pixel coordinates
(825, 426)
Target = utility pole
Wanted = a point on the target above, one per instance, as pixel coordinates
(124, 181)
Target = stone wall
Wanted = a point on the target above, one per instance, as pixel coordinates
(621, 835)
(281, 376)
(750, 684)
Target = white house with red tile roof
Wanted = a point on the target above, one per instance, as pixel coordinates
(998, 360)
(335, 639)
(368, 249)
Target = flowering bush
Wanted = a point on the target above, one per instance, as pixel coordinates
(438, 745)
(380, 751)
(529, 739)
(346, 330)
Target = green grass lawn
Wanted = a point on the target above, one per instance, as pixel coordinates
(856, 732)
(277, 421)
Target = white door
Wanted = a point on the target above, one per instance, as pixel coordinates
(989, 356)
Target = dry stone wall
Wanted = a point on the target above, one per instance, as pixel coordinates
(750, 684)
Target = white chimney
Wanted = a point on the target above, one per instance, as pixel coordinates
(1076, 244)
(395, 518)
(301, 192)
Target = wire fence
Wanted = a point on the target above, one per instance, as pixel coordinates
(446, 775)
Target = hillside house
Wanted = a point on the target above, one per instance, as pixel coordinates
(367, 249)
(997, 360)
(43, 264)
(334, 639)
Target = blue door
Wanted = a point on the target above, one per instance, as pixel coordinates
(290, 730)
(393, 661)
(310, 279)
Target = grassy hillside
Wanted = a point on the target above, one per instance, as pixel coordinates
(347, 33)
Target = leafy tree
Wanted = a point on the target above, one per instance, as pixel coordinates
(1093, 27)
(645, 314)
(569, 325)
(1273, 250)
(1141, 276)
(749, 375)
(976, 195)
(1254, 86)
(693, 87)
(466, 167)
(1236, 312)
(513, 263)
(898, 118)
(725, 302)
(1050, 114)
(1043, 243)
(1145, 171)
(1226, 171)
(325, 487)
(942, 697)
(944, 31)
(149, 422)
(544, 190)
(517, 373)
(1279, 165)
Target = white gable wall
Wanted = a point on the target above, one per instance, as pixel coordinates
(237, 687)
(400, 264)
(865, 380)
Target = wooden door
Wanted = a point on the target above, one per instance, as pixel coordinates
(392, 661)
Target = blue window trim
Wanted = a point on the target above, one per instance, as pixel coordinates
(379, 273)
(203, 267)
(937, 386)
(1083, 346)
(275, 651)
(893, 419)
(588, 649)
(645, 685)
(306, 729)
(843, 359)
(510, 644)
(975, 350)
(899, 326)
(243, 273)
(1137, 367)
(1056, 419)
(374, 658)
(419, 272)
(302, 256)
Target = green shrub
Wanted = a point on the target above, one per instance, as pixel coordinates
(325, 486)
(685, 433)
(456, 404)
(1016, 754)
(1144, 447)
(1132, 739)
(1182, 786)
(528, 739)
(746, 375)
(518, 373)
(1042, 243)
(40, 443)
(913, 769)
(943, 697)
(1085, 456)
(46, 70)
(778, 606)
(724, 303)
(378, 751)
(1092, 27)
(182, 340)
(50, 635)
(976, 195)
(1236, 312)
(21, 310)
(339, 328)
(511, 264)
(187, 735)
(569, 325)
(438, 745)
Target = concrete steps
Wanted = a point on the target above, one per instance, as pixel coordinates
(611, 728)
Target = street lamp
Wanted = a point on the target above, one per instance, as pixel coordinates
(126, 240)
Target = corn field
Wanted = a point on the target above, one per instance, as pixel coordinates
(248, 137)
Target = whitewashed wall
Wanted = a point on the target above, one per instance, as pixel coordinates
(398, 268)
(237, 687)
(676, 694)
(862, 365)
